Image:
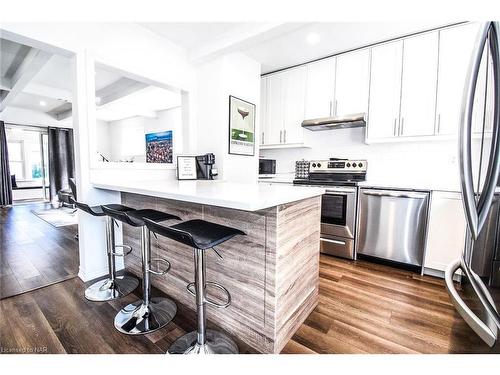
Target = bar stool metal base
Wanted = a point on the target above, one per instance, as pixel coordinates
(216, 343)
(137, 318)
(107, 290)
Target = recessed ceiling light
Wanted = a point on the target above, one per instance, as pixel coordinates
(43, 103)
(313, 38)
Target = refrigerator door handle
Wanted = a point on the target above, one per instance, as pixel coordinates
(486, 199)
(477, 212)
(465, 164)
(487, 332)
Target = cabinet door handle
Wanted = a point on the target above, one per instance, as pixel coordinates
(281, 136)
(439, 123)
(284, 136)
(262, 140)
(402, 128)
(395, 127)
(335, 108)
(331, 108)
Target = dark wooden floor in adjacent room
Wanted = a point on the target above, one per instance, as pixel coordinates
(34, 253)
(363, 308)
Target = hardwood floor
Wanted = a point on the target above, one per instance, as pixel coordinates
(33, 253)
(363, 308)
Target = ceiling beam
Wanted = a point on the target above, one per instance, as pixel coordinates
(5, 84)
(31, 65)
(239, 39)
(118, 89)
(19, 57)
(61, 112)
(48, 92)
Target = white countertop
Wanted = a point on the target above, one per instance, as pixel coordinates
(240, 196)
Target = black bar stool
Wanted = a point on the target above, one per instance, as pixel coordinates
(149, 314)
(200, 235)
(112, 287)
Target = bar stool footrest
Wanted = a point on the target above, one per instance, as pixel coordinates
(209, 301)
(124, 247)
(161, 272)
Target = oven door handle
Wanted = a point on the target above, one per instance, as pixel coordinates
(339, 192)
(336, 242)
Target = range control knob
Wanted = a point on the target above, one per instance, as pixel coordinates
(348, 165)
(319, 165)
(314, 165)
(354, 165)
(360, 165)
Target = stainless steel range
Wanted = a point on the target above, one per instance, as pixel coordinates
(338, 207)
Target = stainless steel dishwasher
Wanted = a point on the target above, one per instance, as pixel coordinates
(393, 224)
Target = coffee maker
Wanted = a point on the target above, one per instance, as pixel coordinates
(205, 167)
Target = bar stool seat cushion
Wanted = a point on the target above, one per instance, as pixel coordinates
(196, 233)
(136, 217)
(93, 210)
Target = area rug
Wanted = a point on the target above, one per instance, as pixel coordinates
(58, 217)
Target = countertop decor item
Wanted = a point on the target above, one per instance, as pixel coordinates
(186, 167)
(241, 127)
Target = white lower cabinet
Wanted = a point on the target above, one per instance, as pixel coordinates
(446, 230)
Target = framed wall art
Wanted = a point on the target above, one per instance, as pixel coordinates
(241, 127)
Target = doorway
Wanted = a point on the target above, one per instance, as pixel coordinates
(28, 161)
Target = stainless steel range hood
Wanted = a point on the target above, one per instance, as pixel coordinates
(337, 122)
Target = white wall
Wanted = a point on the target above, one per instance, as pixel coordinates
(126, 138)
(233, 74)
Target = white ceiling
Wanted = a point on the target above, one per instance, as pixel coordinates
(56, 73)
(145, 102)
(292, 48)
(30, 101)
(194, 35)
(282, 45)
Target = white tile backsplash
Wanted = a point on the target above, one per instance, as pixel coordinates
(428, 162)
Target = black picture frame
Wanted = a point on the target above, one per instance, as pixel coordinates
(253, 108)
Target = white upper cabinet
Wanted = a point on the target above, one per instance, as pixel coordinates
(351, 83)
(490, 96)
(294, 89)
(419, 83)
(263, 108)
(284, 101)
(479, 108)
(274, 125)
(385, 90)
(320, 88)
(456, 45)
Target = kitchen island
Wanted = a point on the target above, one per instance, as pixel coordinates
(272, 273)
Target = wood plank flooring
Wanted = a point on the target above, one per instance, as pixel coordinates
(33, 253)
(363, 308)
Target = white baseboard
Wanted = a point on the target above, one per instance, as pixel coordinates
(440, 274)
(94, 274)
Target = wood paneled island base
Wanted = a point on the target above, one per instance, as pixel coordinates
(272, 273)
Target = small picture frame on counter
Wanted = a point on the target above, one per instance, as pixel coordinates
(186, 167)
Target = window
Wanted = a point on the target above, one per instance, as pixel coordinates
(16, 158)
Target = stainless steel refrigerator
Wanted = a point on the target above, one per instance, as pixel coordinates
(476, 298)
